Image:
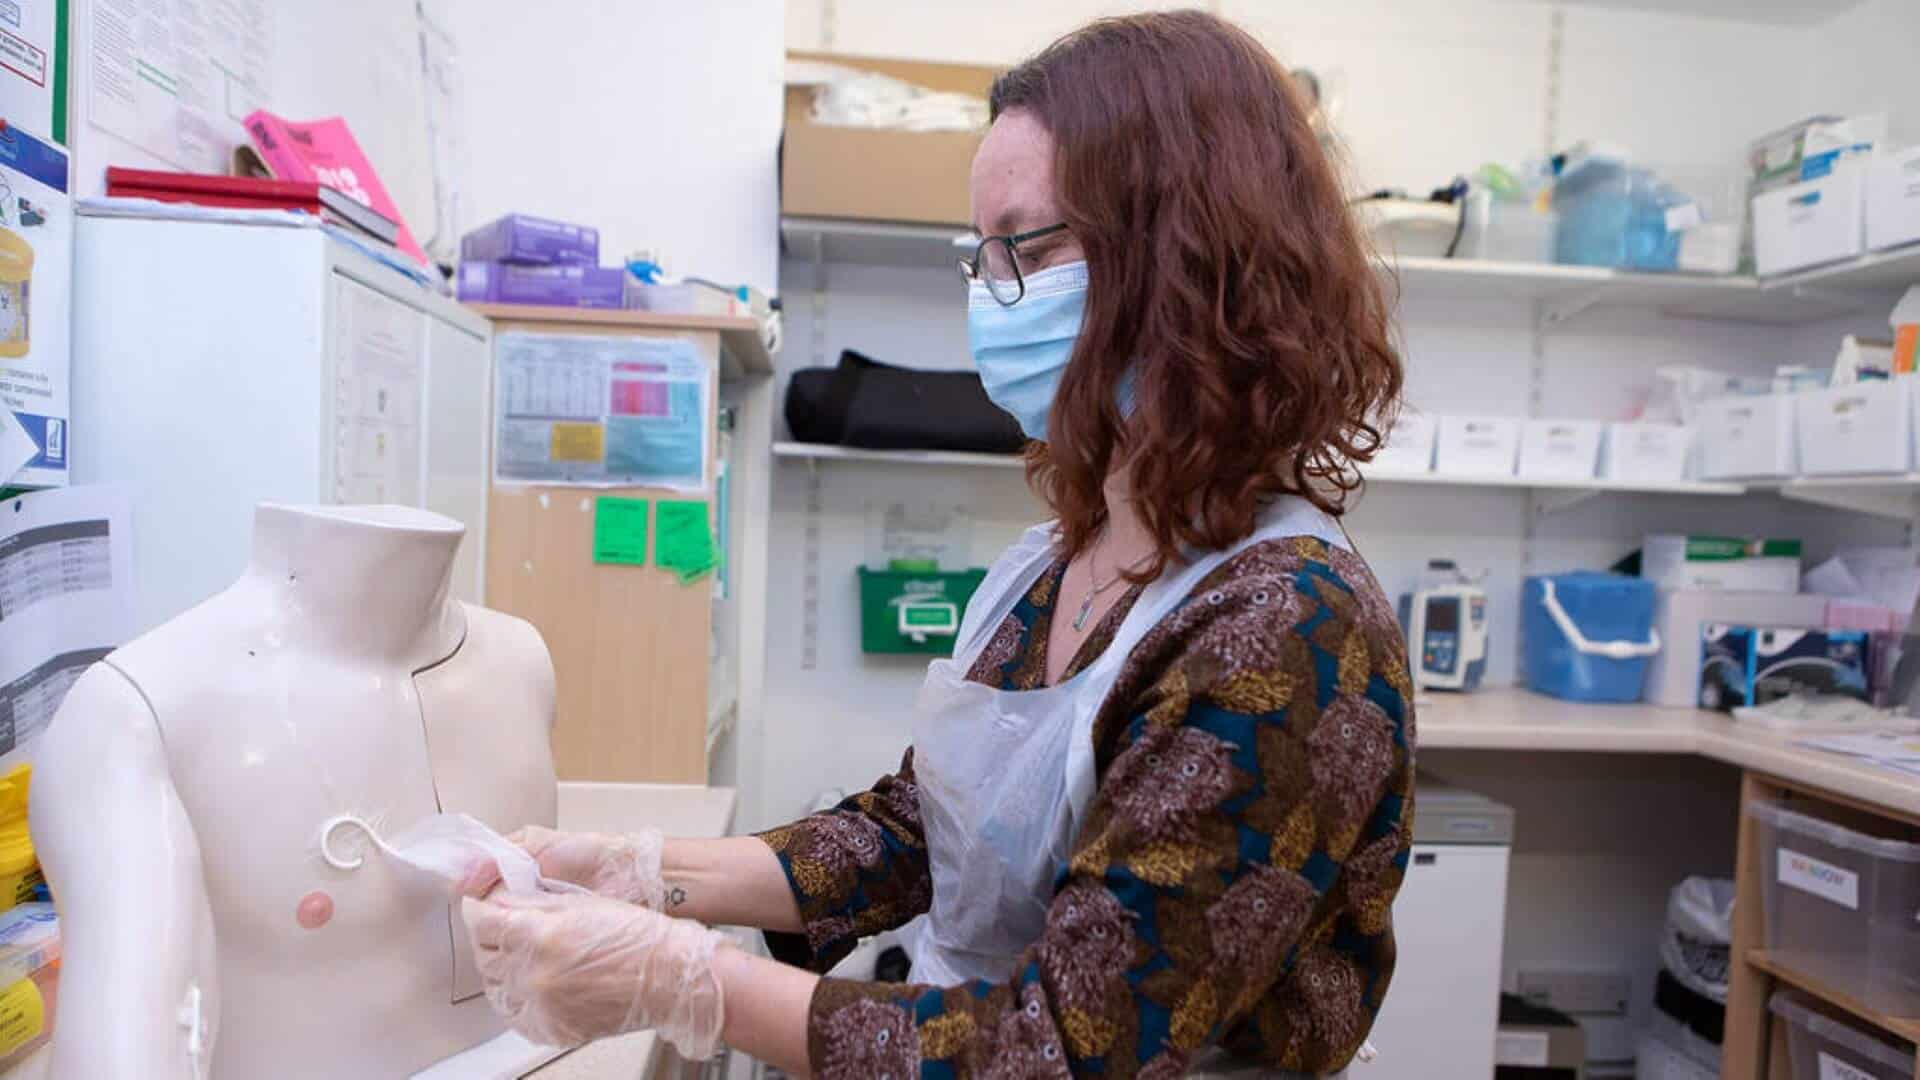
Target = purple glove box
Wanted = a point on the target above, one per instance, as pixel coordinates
(532, 241)
(555, 286)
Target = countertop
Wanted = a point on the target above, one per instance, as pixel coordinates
(1509, 719)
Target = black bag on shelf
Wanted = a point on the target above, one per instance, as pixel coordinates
(865, 403)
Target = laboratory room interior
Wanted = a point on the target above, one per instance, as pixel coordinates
(960, 538)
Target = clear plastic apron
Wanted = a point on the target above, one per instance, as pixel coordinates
(1005, 776)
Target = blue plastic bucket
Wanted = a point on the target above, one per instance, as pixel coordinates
(1587, 636)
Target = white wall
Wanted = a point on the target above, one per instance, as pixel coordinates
(1862, 62)
(656, 120)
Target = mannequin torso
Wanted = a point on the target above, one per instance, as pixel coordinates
(335, 677)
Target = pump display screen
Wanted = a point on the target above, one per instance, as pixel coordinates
(1443, 617)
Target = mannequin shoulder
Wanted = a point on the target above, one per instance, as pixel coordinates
(104, 726)
(505, 642)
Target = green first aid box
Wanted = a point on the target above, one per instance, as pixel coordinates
(911, 611)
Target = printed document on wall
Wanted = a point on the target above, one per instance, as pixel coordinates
(602, 411)
(29, 64)
(378, 348)
(172, 77)
(66, 600)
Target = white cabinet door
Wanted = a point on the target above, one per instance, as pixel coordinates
(1443, 1006)
(458, 439)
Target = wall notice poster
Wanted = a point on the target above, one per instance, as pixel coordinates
(30, 66)
(378, 346)
(66, 599)
(36, 287)
(172, 77)
(602, 411)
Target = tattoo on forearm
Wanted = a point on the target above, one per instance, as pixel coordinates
(676, 896)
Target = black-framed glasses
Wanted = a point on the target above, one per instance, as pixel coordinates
(996, 264)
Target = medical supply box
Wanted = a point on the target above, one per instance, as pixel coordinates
(1819, 220)
(1866, 427)
(30, 949)
(1587, 636)
(1748, 435)
(547, 286)
(532, 241)
(1645, 453)
(1673, 673)
(1477, 446)
(1839, 906)
(1893, 199)
(1409, 445)
(1560, 449)
(1753, 665)
(1674, 561)
(914, 611)
(879, 173)
(1822, 1048)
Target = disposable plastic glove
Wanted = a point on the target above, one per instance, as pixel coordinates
(624, 867)
(566, 969)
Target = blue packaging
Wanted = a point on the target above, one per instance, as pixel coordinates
(531, 241)
(1752, 665)
(1612, 614)
(1614, 214)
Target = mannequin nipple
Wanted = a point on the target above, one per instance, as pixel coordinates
(315, 910)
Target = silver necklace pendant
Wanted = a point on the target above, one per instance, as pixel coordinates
(1080, 620)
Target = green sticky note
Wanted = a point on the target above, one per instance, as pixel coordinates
(683, 540)
(620, 531)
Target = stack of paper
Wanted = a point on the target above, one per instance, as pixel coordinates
(1890, 749)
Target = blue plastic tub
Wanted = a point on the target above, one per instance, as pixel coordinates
(1604, 658)
(1614, 214)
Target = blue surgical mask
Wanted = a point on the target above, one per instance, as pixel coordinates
(1022, 351)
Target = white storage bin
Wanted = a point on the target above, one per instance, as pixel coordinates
(1646, 453)
(1893, 199)
(1477, 446)
(1821, 1048)
(1840, 906)
(1746, 436)
(1567, 449)
(1863, 428)
(1812, 222)
(1656, 1060)
(1409, 447)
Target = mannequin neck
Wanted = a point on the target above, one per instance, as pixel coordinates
(366, 582)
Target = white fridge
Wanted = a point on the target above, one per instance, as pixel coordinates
(216, 366)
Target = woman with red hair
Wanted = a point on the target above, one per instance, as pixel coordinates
(1159, 803)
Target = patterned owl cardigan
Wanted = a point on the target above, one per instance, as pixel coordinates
(1232, 884)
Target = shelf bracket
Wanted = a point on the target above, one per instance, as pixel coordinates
(1903, 505)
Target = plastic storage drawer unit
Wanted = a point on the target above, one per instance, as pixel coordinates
(1821, 1048)
(1841, 905)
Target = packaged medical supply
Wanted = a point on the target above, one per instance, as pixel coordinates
(1822, 1048)
(1774, 159)
(1749, 436)
(1564, 449)
(20, 876)
(1840, 906)
(1645, 453)
(683, 298)
(1905, 323)
(1863, 428)
(29, 978)
(532, 241)
(1815, 221)
(1409, 447)
(1614, 213)
(1673, 561)
(1860, 360)
(1673, 675)
(1477, 446)
(1753, 665)
(1893, 199)
(552, 286)
(914, 611)
(1587, 636)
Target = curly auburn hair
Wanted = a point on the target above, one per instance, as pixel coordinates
(1227, 282)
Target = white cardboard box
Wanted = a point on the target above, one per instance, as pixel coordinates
(36, 294)
(1893, 199)
(1746, 436)
(1673, 561)
(1567, 449)
(1863, 428)
(1477, 446)
(1409, 447)
(1812, 222)
(1646, 453)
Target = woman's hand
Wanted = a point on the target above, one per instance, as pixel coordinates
(622, 867)
(565, 969)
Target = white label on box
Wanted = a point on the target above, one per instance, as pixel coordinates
(1523, 1049)
(1683, 217)
(1824, 880)
(1832, 1068)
